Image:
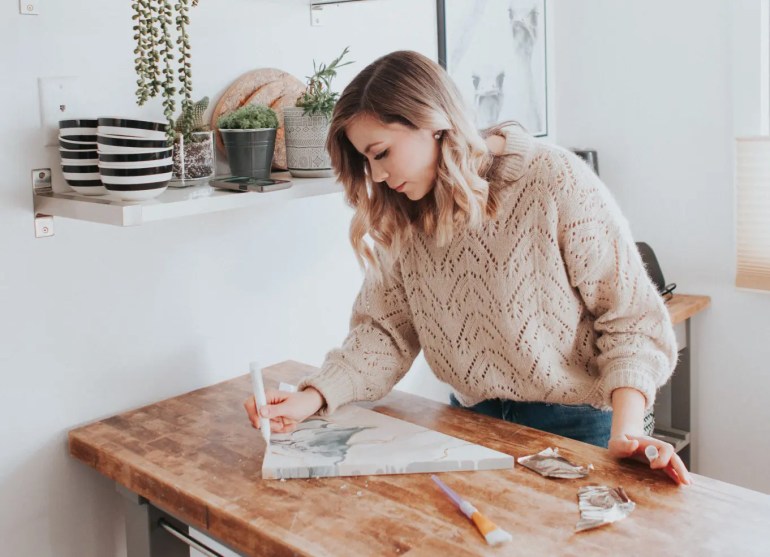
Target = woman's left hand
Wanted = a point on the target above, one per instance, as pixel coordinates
(632, 446)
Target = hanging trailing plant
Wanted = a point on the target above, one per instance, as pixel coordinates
(163, 58)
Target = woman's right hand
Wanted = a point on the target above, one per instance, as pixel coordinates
(284, 409)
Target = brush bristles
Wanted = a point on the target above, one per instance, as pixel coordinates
(498, 536)
(491, 531)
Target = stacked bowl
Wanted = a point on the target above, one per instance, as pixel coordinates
(79, 156)
(135, 157)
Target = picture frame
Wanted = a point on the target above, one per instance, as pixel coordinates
(495, 52)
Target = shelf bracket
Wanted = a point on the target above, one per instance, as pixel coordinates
(317, 15)
(41, 184)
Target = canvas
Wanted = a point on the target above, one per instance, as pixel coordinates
(355, 441)
(495, 52)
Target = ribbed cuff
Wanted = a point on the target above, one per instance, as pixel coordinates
(629, 375)
(518, 147)
(336, 385)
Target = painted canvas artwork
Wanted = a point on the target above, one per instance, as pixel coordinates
(495, 52)
(355, 441)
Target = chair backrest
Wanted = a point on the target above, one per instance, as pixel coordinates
(652, 266)
(590, 156)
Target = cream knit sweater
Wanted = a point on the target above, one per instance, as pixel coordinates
(547, 302)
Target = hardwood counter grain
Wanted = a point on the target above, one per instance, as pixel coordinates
(197, 457)
(683, 306)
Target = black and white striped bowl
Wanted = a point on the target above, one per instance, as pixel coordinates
(115, 145)
(136, 184)
(126, 127)
(136, 160)
(85, 180)
(83, 157)
(78, 130)
(75, 145)
(137, 164)
(88, 187)
(81, 172)
(79, 136)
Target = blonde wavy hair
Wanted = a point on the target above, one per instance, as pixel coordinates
(409, 88)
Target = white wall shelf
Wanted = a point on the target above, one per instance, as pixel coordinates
(318, 9)
(174, 202)
(326, 2)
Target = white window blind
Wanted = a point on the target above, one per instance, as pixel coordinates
(752, 184)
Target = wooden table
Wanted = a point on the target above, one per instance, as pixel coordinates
(683, 306)
(195, 460)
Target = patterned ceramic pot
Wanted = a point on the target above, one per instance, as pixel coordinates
(305, 136)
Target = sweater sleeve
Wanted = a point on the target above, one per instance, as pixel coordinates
(635, 337)
(378, 350)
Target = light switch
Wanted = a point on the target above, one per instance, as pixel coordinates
(60, 99)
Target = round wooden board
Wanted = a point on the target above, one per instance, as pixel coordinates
(268, 86)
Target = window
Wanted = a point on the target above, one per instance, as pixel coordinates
(752, 217)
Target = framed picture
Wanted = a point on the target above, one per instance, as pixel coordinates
(495, 52)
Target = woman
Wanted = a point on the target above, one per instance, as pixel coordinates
(504, 259)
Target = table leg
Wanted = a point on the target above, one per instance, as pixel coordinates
(673, 404)
(680, 396)
(144, 535)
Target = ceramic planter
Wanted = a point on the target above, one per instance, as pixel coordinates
(306, 155)
(250, 152)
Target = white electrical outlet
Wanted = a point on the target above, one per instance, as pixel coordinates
(61, 98)
(29, 7)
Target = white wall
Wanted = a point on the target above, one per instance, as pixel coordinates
(660, 88)
(100, 319)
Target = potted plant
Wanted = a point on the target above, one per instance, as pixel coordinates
(163, 57)
(306, 125)
(249, 137)
(193, 158)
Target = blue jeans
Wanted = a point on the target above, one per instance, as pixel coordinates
(581, 422)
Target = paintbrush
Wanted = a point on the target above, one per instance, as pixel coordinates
(260, 399)
(491, 532)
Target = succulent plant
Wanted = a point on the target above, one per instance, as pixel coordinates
(249, 117)
(157, 48)
(195, 123)
(318, 97)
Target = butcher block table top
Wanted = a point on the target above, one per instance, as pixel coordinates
(683, 306)
(197, 457)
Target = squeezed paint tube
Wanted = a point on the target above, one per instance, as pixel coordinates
(600, 505)
(550, 464)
